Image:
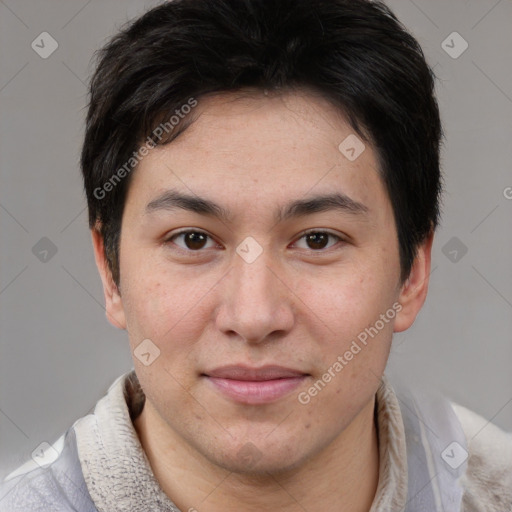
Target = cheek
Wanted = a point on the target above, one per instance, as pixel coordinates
(168, 308)
(353, 346)
(347, 304)
(159, 310)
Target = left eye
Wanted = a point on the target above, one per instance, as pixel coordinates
(192, 240)
(318, 240)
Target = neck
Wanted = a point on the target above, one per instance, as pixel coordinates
(343, 476)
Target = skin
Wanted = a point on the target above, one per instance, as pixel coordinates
(298, 305)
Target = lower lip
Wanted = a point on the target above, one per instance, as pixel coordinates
(256, 392)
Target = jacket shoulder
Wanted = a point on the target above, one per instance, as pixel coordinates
(53, 484)
(487, 482)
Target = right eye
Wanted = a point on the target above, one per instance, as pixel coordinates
(191, 240)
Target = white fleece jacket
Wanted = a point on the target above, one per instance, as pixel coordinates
(117, 476)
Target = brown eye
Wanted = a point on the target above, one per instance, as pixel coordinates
(190, 240)
(318, 240)
(195, 240)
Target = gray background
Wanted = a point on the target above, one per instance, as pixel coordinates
(58, 353)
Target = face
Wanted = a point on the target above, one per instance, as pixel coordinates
(255, 256)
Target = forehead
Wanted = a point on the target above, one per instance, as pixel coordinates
(249, 147)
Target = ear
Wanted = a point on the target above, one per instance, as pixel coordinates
(113, 302)
(414, 291)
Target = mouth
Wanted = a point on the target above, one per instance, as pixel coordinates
(255, 385)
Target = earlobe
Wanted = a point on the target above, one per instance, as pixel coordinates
(414, 290)
(113, 302)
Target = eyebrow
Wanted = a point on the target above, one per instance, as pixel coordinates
(172, 199)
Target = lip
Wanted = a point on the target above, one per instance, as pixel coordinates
(255, 385)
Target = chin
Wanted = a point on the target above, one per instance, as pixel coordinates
(259, 458)
(260, 468)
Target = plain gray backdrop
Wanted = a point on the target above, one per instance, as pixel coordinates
(58, 353)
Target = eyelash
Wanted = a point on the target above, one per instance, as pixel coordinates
(170, 239)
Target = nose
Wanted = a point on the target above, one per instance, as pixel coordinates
(256, 302)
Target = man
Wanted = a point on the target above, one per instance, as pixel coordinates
(263, 188)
